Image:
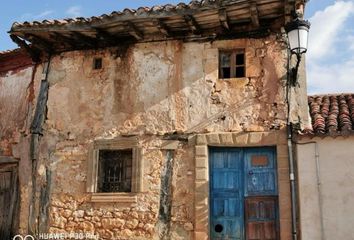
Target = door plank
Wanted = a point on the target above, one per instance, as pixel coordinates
(261, 218)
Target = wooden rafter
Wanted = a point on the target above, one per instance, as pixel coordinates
(161, 27)
(84, 39)
(106, 36)
(288, 9)
(224, 21)
(42, 43)
(64, 39)
(192, 23)
(32, 51)
(254, 13)
(134, 31)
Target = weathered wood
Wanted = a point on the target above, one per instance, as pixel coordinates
(106, 36)
(192, 24)
(254, 13)
(224, 21)
(40, 113)
(162, 27)
(4, 160)
(132, 30)
(8, 201)
(40, 42)
(64, 39)
(84, 39)
(32, 51)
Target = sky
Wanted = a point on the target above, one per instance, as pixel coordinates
(329, 60)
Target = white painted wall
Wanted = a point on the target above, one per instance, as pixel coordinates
(326, 209)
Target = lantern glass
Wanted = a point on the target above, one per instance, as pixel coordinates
(298, 31)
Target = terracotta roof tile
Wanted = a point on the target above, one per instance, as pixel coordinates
(332, 114)
(141, 11)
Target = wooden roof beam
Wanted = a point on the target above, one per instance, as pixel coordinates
(64, 39)
(106, 36)
(32, 51)
(224, 21)
(192, 23)
(161, 27)
(134, 31)
(254, 14)
(84, 39)
(42, 43)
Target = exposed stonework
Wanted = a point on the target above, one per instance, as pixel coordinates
(154, 91)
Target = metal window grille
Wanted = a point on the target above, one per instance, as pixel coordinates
(115, 170)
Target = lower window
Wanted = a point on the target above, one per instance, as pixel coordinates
(115, 171)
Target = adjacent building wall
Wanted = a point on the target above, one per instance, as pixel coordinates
(19, 85)
(326, 190)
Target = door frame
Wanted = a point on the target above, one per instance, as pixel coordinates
(202, 142)
(244, 167)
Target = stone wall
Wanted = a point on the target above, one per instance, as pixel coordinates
(151, 90)
(155, 91)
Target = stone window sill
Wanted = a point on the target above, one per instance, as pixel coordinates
(114, 197)
(234, 79)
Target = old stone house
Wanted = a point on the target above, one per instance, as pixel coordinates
(157, 123)
(325, 169)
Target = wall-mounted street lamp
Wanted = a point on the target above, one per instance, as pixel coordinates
(298, 32)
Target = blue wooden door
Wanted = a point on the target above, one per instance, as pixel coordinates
(226, 185)
(236, 174)
(260, 172)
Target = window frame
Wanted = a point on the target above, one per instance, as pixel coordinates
(93, 163)
(233, 63)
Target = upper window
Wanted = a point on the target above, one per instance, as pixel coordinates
(232, 64)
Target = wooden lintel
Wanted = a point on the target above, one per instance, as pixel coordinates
(38, 41)
(132, 29)
(32, 51)
(254, 14)
(224, 21)
(192, 24)
(6, 160)
(85, 40)
(162, 27)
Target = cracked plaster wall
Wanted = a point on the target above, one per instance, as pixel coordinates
(149, 90)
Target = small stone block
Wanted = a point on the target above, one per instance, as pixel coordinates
(255, 138)
(201, 174)
(213, 138)
(201, 236)
(201, 225)
(269, 138)
(201, 199)
(201, 162)
(226, 138)
(201, 186)
(240, 139)
(201, 140)
(282, 150)
(201, 151)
